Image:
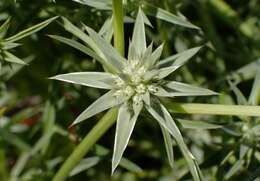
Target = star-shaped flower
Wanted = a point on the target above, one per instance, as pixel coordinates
(134, 84)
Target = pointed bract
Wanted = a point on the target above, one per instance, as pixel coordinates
(139, 38)
(30, 30)
(105, 102)
(112, 56)
(160, 113)
(126, 120)
(92, 79)
(174, 89)
(168, 145)
(4, 28)
(170, 64)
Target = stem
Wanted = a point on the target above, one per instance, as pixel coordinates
(109, 118)
(3, 168)
(91, 138)
(214, 109)
(119, 41)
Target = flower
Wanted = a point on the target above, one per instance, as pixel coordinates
(135, 84)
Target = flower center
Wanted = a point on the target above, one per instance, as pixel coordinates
(132, 84)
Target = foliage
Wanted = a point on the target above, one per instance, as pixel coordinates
(36, 113)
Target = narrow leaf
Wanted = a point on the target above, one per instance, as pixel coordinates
(172, 63)
(84, 164)
(99, 4)
(197, 124)
(129, 165)
(113, 57)
(254, 98)
(139, 38)
(4, 28)
(12, 58)
(168, 145)
(126, 120)
(167, 16)
(30, 30)
(154, 57)
(79, 47)
(105, 102)
(92, 79)
(174, 89)
(160, 113)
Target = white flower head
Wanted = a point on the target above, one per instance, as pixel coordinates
(136, 83)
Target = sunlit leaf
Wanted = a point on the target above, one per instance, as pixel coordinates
(197, 124)
(99, 4)
(113, 57)
(167, 16)
(172, 63)
(84, 165)
(139, 38)
(100, 80)
(174, 89)
(105, 102)
(13, 59)
(79, 47)
(129, 165)
(126, 120)
(160, 113)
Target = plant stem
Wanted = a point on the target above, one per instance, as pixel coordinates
(110, 117)
(3, 168)
(90, 139)
(118, 21)
(213, 109)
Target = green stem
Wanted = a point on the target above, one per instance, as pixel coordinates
(91, 138)
(118, 21)
(110, 117)
(3, 168)
(213, 109)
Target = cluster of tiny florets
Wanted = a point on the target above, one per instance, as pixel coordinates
(133, 87)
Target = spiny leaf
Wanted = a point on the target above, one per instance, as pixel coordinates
(168, 145)
(174, 89)
(84, 164)
(197, 124)
(30, 30)
(99, 4)
(4, 28)
(105, 102)
(13, 59)
(113, 57)
(172, 63)
(92, 79)
(139, 38)
(254, 98)
(79, 47)
(167, 16)
(160, 113)
(124, 127)
(154, 57)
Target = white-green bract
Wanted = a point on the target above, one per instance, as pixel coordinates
(133, 84)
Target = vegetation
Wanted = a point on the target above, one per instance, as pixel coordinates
(163, 90)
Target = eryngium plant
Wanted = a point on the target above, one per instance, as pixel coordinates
(134, 84)
(8, 43)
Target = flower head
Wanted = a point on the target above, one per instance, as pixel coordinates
(135, 84)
